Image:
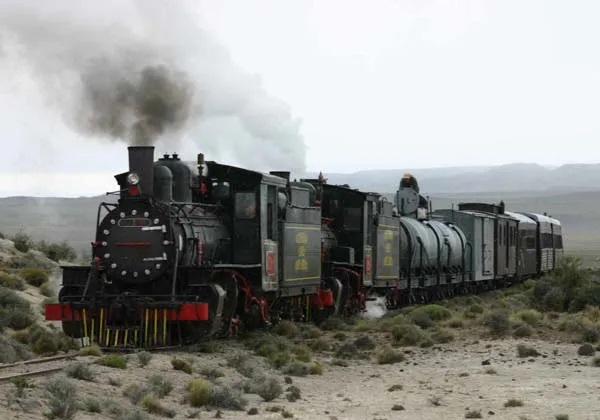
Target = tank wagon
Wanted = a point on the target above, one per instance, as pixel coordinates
(187, 253)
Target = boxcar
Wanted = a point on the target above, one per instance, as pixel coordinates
(479, 231)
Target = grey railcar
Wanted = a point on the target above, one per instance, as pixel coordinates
(545, 242)
(527, 244)
(478, 229)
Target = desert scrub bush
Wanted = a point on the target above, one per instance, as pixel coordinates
(34, 276)
(159, 386)
(57, 251)
(293, 393)
(132, 414)
(455, 323)
(211, 372)
(316, 369)
(153, 406)
(364, 342)
(17, 318)
(442, 336)
(473, 311)
(596, 361)
(513, 403)
(296, 369)
(182, 365)
(135, 392)
(12, 350)
(561, 417)
(287, 329)
(269, 389)
(302, 353)
(529, 316)
(310, 331)
(387, 355)
(473, 414)
(586, 296)
(276, 349)
(47, 290)
(199, 392)
(321, 344)
(113, 360)
(45, 342)
(227, 398)
(92, 405)
(92, 350)
(144, 358)
(10, 299)
(522, 331)
(22, 241)
(407, 335)
(426, 316)
(334, 324)
(242, 363)
(11, 282)
(526, 351)
(497, 322)
(61, 397)
(79, 370)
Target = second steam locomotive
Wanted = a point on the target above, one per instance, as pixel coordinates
(190, 253)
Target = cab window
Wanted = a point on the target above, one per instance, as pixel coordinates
(245, 205)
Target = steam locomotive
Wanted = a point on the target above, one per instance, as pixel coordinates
(186, 254)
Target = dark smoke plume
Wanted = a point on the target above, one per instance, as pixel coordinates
(145, 72)
(141, 108)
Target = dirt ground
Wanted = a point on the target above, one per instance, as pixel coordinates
(445, 381)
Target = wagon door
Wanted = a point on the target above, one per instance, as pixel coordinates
(488, 246)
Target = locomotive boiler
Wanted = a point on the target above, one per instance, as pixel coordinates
(150, 282)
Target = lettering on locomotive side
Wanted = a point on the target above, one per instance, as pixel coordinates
(387, 258)
(301, 263)
(302, 252)
(388, 237)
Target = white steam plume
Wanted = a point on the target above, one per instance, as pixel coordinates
(146, 72)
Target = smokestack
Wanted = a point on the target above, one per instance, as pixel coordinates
(141, 161)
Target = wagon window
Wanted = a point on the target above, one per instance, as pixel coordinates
(529, 243)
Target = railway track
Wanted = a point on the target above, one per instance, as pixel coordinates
(34, 367)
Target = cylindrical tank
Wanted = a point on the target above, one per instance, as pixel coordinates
(182, 178)
(418, 246)
(163, 183)
(450, 246)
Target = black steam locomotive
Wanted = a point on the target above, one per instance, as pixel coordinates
(187, 254)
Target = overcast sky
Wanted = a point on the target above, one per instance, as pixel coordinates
(376, 84)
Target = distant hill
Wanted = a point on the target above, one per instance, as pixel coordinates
(510, 177)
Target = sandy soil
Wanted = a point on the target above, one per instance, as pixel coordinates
(445, 382)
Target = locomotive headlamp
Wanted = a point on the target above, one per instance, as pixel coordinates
(133, 178)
